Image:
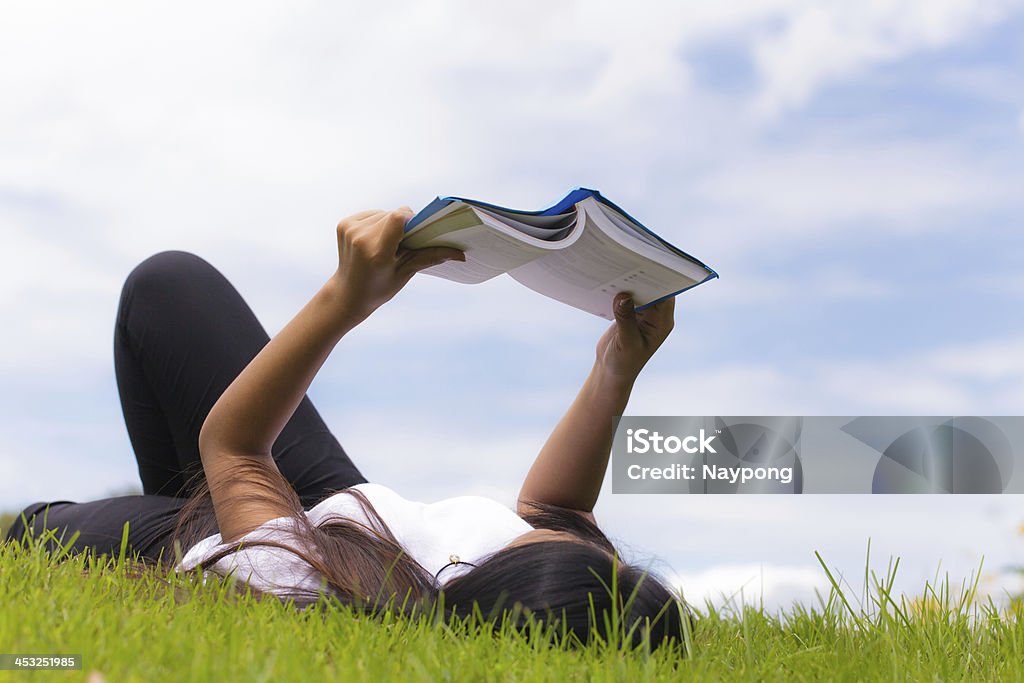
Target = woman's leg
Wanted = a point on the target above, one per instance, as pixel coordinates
(183, 334)
(100, 524)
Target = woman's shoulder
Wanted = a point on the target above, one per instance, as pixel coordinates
(279, 530)
(476, 511)
(457, 511)
(344, 504)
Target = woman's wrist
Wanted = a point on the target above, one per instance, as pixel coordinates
(345, 305)
(610, 382)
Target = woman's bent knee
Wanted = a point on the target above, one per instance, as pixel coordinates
(164, 267)
(162, 274)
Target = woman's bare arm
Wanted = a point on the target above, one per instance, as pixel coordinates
(236, 438)
(571, 466)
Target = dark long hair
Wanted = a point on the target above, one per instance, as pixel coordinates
(572, 586)
(361, 565)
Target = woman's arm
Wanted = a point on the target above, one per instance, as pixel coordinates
(570, 468)
(236, 438)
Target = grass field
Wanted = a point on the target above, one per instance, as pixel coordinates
(131, 626)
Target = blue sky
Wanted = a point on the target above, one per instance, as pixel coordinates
(851, 170)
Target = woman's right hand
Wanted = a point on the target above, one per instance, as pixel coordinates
(372, 266)
(633, 338)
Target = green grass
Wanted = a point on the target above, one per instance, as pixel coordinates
(6, 519)
(135, 626)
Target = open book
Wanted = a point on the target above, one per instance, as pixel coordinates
(581, 251)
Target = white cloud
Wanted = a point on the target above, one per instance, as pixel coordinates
(980, 378)
(835, 187)
(778, 587)
(245, 136)
(825, 42)
(741, 286)
(732, 586)
(248, 126)
(984, 378)
(728, 389)
(997, 359)
(56, 302)
(998, 83)
(1011, 283)
(50, 457)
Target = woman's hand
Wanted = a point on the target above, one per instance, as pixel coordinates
(372, 267)
(634, 337)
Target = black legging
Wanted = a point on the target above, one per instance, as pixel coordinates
(183, 334)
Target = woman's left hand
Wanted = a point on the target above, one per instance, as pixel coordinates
(630, 342)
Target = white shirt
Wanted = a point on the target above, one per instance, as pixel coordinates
(469, 527)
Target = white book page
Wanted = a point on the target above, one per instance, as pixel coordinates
(598, 217)
(491, 247)
(589, 273)
(627, 226)
(547, 230)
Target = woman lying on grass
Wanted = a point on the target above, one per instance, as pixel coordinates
(240, 472)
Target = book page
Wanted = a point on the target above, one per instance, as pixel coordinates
(465, 272)
(491, 247)
(627, 226)
(589, 273)
(629, 237)
(547, 228)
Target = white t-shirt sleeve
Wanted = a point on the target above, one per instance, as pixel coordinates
(268, 568)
